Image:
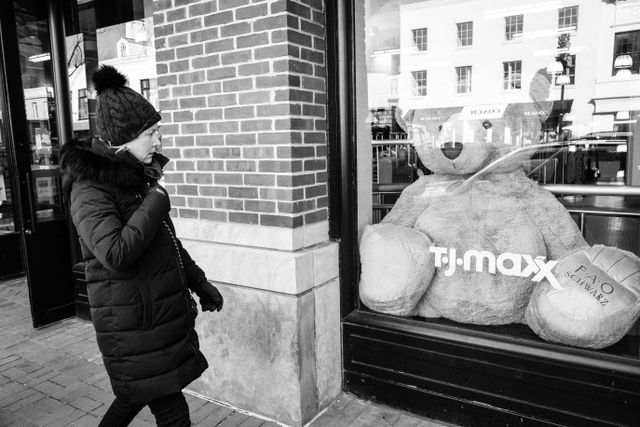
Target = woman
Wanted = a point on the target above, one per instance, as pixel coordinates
(138, 274)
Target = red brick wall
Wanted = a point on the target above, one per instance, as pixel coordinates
(242, 95)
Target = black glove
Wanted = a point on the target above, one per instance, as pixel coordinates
(210, 297)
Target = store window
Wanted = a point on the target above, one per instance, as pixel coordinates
(513, 26)
(83, 105)
(465, 33)
(568, 18)
(419, 83)
(463, 79)
(512, 75)
(626, 43)
(461, 193)
(420, 39)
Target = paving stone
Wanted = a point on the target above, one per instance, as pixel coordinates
(87, 420)
(48, 387)
(206, 410)
(66, 419)
(252, 422)
(17, 406)
(233, 420)
(86, 404)
(216, 417)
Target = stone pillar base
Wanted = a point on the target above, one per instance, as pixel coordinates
(275, 348)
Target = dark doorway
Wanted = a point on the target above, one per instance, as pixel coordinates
(36, 126)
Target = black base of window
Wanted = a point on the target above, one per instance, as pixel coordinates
(468, 376)
(80, 292)
(10, 256)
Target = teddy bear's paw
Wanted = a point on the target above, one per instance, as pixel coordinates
(594, 302)
(397, 268)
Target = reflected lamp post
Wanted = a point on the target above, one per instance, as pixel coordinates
(558, 69)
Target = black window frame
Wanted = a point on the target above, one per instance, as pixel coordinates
(517, 27)
(467, 40)
(145, 88)
(420, 39)
(563, 17)
(624, 49)
(507, 81)
(417, 88)
(468, 78)
(83, 104)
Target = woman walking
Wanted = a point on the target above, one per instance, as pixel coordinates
(139, 276)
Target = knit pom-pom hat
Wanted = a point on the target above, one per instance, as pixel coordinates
(121, 113)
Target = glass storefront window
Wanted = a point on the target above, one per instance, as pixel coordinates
(6, 207)
(40, 107)
(123, 39)
(462, 130)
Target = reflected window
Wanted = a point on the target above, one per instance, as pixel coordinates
(420, 39)
(627, 43)
(513, 26)
(393, 90)
(465, 33)
(419, 83)
(568, 18)
(83, 105)
(463, 76)
(145, 88)
(512, 75)
(570, 70)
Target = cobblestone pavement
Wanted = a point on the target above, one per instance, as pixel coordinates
(53, 376)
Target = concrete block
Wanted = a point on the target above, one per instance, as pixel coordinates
(273, 354)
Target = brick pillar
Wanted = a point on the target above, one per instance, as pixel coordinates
(242, 94)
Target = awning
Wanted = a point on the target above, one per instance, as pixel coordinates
(430, 116)
(482, 112)
(613, 105)
(518, 111)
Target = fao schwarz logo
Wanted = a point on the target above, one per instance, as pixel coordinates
(508, 263)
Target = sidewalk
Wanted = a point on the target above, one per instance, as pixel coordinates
(54, 376)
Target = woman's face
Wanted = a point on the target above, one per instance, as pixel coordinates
(146, 144)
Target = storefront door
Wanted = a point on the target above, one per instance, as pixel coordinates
(10, 254)
(35, 134)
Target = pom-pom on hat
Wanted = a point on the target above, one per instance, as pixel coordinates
(121, 113)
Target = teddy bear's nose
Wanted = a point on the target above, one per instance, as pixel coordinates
(451, 150)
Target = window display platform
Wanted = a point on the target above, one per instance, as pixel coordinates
(479, 375)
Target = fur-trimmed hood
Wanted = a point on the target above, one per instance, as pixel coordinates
(97, 162)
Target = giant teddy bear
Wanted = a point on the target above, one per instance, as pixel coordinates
(472, 248)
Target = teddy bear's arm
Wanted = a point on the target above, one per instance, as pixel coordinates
(560, 232)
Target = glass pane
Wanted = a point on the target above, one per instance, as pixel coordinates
(462, 136)
(124, 40)
(6, 207)
(37, 82)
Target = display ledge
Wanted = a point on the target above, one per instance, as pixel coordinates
(469, 375)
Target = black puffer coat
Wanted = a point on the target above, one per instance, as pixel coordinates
(137, 273)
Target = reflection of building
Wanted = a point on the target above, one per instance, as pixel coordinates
(133, 54)
(452, 56)
(616, 101)
(128, 47)
(39, 108)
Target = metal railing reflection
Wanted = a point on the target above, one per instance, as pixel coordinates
(385, 195)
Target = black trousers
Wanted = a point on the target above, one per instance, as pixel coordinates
(170, 411)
